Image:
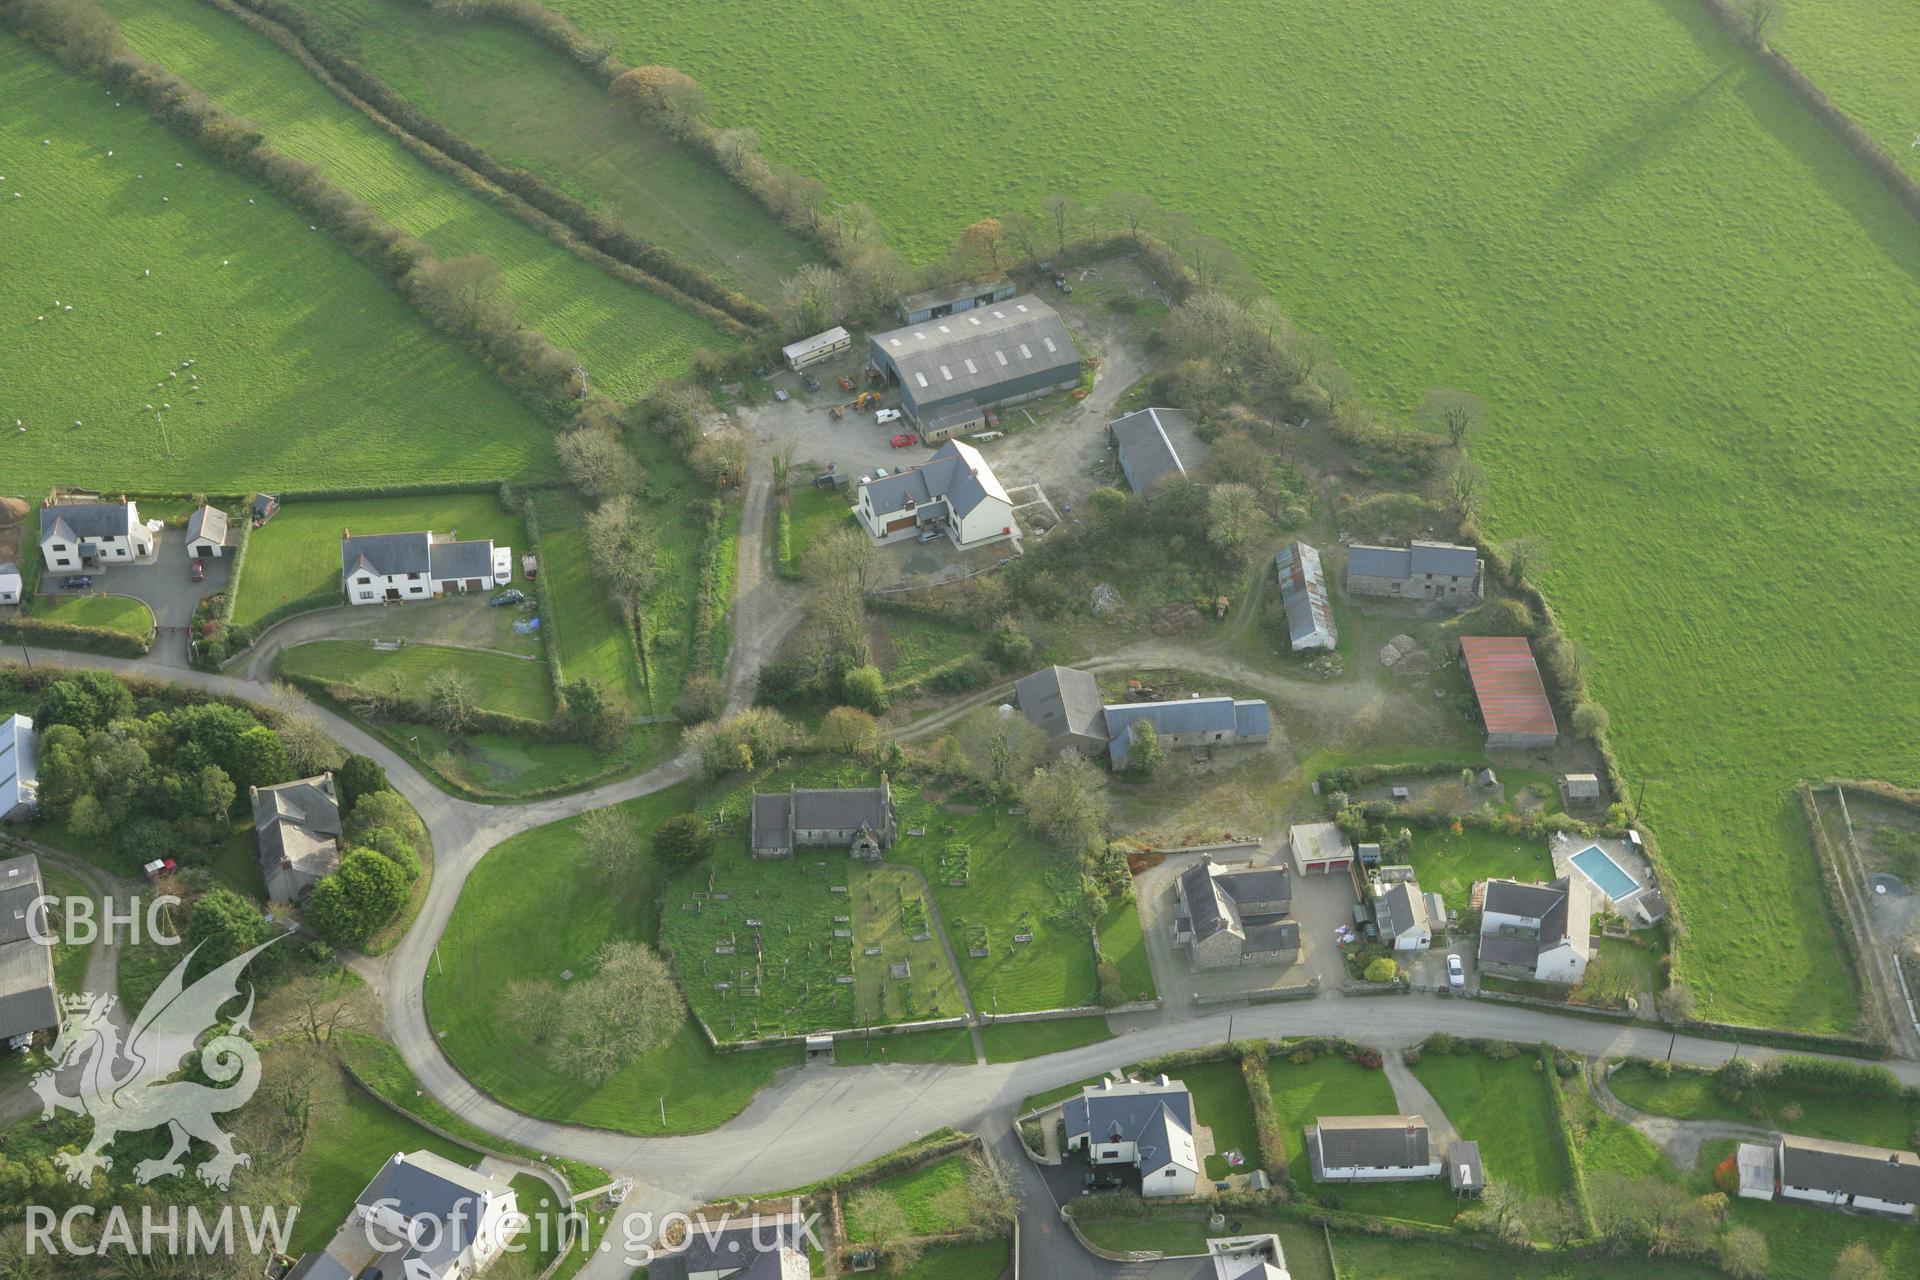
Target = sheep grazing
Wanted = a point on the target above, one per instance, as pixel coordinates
(225, 263)
(156, 333)
(69, 306)
(109, 154)
(149, 408)
(249, 199)
(38, 319)
(166, 199)
(78, 423)
(166, 406)
(178, 165)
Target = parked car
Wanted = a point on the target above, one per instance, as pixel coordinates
(1456, 973)
(810, 382)
(846, 383)
(780, 394)
(930, 533)
(76, 582)
(884, 416)
(512, 595)
(904, 440)
(1105, 1178)
(197, 570)
(159, 867)
(881, 473)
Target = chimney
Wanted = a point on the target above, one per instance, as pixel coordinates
(1161, 1080)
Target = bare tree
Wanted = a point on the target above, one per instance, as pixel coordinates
(1456, 412)
(1062, 211)
(628, 1007)
(1464, 484)
(995, 1200)
(621, 542)
(721, 457)
(670, 96)
(1761, 17)
(1132, 211)
(1212, 263)
(1022, 231)
(1068, 804)
(1675, 1004)
(458, 292)
(598, 462)
(1528, 556)
(1003, 748)
(610, 846)
(886, 1223)
(324, 1004)
(1744, 1254)
(451, 701)
(813, 298)
(1858, 1261)
(1235, 520)
(309, 745)
(529, 1007)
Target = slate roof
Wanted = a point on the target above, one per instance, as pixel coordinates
(1850, 1168)
(1512, 898)
(1251, 719)
(1147, 455)
(1563, 907)
(1282, 935)
(1379, 562)
(1207, 907)
(1303, 593)
(29, 1001)
(73, 521)
(470, 559)
(751, 1250)
(386, 555)
(1179, 715)
(769, 828)
(19, 772)
(839, 808)
(1157, 1118)
(955, 474)
(1062, 702)
(1373, 1141)
(1506, 681)
(299, 823)
(422, 1185)
(209, 523)
(1401, 909)
(1258, 884)
(1442, 559)
(973, 353)
(1508, 948)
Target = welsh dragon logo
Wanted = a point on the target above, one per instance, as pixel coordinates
(126, 1087)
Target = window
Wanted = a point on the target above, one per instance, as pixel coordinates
(366, 595)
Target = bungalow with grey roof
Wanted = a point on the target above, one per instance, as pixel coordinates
(754, 1248)
(1847, 1175)
(954, 492)
(1371, 1149)
(860, 820)
(1423, 571)
(86, 534)
(381, 568)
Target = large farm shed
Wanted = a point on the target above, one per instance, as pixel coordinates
(935, 303)
(1513, 701)
(1145, 451)
(1001, 353)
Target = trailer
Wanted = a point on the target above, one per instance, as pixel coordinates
(821, 346)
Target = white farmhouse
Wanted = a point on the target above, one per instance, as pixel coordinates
(954, 492)
(75, 536)
(1144, 1124)
(380, 568)
(1541, 932)
(422, 1216)
(1847, 1175)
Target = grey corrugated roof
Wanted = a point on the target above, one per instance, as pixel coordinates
(28, 1000)
(1303, 594)
(1848, 1167)
(207, 522)
(956, 473)
(970, 353)
(18, 767)
(952, 415)
(1445, 558)
(87, 519)
(929, 298)
(1147, 455)
(1373, 1141)
(1060, 701)
(1379, 562)
(1533, 901)
(471, 559)
(1251, 718)
(387, 554)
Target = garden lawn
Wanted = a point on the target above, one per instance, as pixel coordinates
(509, 685)
(629, 338)
(815, 514)
(1124, 947)
(1504, 1106)
(1689, 1095)
(1865, 55)
(1448, 864)
(529, 888)
(920, 1193)
(1332, 1086)
(1644, 339)
(114, 613)
(308, 359)
(487, 81)
(1018, 1041)
(1220, 1103)
(981, 1260)
(1184, 1233)
(296, 555)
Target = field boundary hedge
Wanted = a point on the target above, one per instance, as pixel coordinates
(1811, 96)
(559, 217)
(23, 629)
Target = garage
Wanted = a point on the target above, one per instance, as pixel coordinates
(1320, 848)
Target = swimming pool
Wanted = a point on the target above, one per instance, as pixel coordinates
(1607, 875)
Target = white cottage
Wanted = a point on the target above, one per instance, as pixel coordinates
(1541, 932)
(1371, 1149)
(11, 584)
(1847, 1175)
(75, 536)
(381, 568)
(953, 493)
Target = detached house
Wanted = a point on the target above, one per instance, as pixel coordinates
(11, 583)
(1406, 916)
(1371, 1149)
(1540, 932)
(86, 535)
(1847, 1175)
(1146, 1125)
(954, 493)
(379, 568)
(423, 1217)
(756, 1249)
(857, 819)
(1233, 918)
(297, 825)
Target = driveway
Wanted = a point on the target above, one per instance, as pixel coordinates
(164, 585)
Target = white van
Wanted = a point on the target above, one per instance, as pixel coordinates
(884, 416)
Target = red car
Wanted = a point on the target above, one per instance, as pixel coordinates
(846, 383)
(905, 440)
(197, 570)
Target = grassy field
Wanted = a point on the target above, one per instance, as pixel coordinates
(628, 338)
(1017, 1041)
(529, 887)
(1184, 1233)
(1504, 1106)
(496, 766)
(1865, 55)
(921, 1193)
(1646, 340)
(297, 553)
(1368, 1256)
(985, 1260)
(1124, 946)
(585, 627)
(1449, 864)
(487, 81)
(511, 686)
(307, 358)
(114, 613)
(816, 513)
(69, 959)
(1332, 1086)
(1689, 1095)
(952, 1046)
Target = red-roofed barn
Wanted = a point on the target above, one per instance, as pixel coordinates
(1513, 701)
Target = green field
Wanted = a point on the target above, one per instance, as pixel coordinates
(1369, 1256)
(1124, 946)
(1509, 199)
(488, 81)
(1504, 1106)
(297, 553)
(529, 888)
(584, 626)
(1689, 1095)
(921, 1192)
(114, 613)
(1220, 1103)
(628, 337)
(69, 959)
(498, 766)
(1449, 865)
(1865, 55)
(511, 686)
(985, 1260)
(307, 357)
(1017, 1041)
